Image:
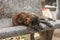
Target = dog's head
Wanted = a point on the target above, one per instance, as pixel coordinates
(28, 18)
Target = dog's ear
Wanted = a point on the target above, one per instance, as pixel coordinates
(14, 19)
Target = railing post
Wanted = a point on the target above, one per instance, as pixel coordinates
(46, 35)
(32, 36)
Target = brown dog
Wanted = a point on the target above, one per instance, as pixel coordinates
(27, 19)
(30, 20)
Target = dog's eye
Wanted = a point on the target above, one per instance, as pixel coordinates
(26, 19)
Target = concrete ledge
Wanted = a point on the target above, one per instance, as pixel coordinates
(8, 30)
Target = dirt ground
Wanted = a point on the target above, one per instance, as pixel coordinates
(56, 35)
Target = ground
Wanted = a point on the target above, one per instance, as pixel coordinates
(56, 35)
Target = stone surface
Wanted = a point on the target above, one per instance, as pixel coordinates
(8, 7)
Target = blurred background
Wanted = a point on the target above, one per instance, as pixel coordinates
(48, 8)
